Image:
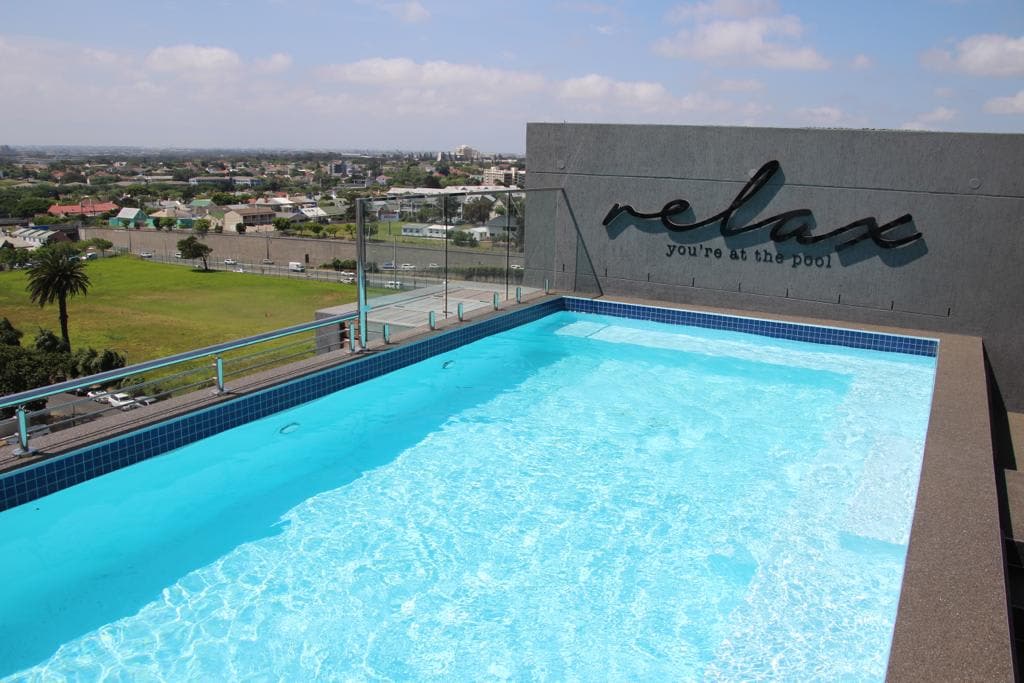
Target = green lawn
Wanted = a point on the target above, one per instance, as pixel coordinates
(149, 310)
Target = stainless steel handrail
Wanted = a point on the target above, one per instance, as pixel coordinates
(24, 397)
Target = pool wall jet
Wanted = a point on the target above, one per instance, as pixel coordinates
(906, 229)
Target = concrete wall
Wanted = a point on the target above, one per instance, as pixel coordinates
(964, 191)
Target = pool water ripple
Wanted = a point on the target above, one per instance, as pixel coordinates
(626, 501)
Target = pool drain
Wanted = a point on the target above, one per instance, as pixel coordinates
(447, 364)
(288, 428)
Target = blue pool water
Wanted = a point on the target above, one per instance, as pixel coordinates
(583, 497)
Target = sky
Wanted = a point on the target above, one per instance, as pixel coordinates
(434, 74)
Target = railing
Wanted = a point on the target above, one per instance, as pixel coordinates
(439, 260)
(215, 351)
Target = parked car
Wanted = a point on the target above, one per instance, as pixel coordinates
(122, 401)
(392, 284)
(267, 261)
(177, 254)
(516, 266)
(97, 395)
(407, 266)
(230, 262)
(387, 265)
(89, 256)
(433, 266)
(145, 400)
(146, 254)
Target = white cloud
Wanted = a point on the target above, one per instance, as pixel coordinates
(862, 61)
(927, 120)
(986, 54)
(275, 63)
(412, 12)
(594, 86)
(746, 85)
(701, 11)
(748, 32)
(406, 72)
(613, 99)
(937, 115)
(193, 62)
(820, 116)
(943, 92)
(1014, 104)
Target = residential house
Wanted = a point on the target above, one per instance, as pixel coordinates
(201, 207)
(129, 217)
(183, 218)
(85, 208)
(434, 231)
(254, 218)
(306, 214)
(34, 237)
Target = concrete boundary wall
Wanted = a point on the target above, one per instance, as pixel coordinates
(964, 194)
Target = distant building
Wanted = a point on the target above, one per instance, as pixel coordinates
(502, 176)
(221, 180)
(466, 153)
(33, 237)
(129, 217)
(310, 213)
(254, 218)
(88, 208)
(426, 230)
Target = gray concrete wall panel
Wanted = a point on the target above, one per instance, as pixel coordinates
(964, 191)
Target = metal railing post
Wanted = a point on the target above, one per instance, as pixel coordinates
(494, 301)
(519, 295)
(387, 333)
(462, 314)
(361, 268)
(22, 432)
(219, 364)
(432, 320)
(547, 287)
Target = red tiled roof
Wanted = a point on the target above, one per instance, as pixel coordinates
(88, 208)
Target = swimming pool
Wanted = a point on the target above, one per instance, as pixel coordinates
(581, 497)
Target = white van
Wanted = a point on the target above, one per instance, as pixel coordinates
(296, 267)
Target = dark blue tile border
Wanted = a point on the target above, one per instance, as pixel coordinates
(858, 339)
(35, 481)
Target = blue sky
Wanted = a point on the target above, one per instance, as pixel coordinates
(430, 75)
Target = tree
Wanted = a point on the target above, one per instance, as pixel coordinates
(167, 223)
(9, 334)
(477, 210)
(102, 244)
(191, 247)
(56, 276)
(240, 228)
(461, 238)
(431, 181)
(315, 228)
(201, 226)
(47, 341)
(30, 206)
(282, 224)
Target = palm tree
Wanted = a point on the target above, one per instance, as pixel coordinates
(57, 275)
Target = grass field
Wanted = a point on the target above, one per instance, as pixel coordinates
(149, 310)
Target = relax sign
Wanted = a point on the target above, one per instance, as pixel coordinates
(784, 227)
